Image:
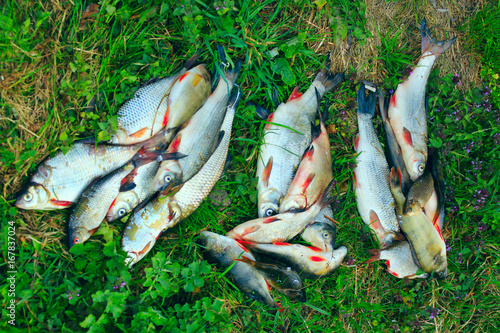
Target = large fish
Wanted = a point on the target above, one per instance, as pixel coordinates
(198, 138)
(286, 135)
(407, 112)
(371, 176)
(308, 262)
(223, 251)
(399, 261)
(128, 199)
(59, 180)
(314, 172)
(284, 279)
(281, 227)
(146, 224)
(426, 242)
(95, 201)
(167, 102)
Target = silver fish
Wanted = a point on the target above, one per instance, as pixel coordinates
(309, 263)
(198, 138)
(95, 201)
(371, 176)
(314, 172)
(407, 112)
(286, 135)
(281, 227)
(146, 224)
(224, 251)
(59, 180)
(167, 102)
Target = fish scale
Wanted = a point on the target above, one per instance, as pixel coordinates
(65, 176)
(372, 189)
(145, 225)
(149, 97)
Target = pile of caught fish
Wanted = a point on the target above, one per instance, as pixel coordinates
(170, 148)
(168, 152)
(296, 188)
(405, 195)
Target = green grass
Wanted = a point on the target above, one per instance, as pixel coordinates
(64, 77)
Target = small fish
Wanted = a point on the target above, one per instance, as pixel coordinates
(371, 176)
(198, 138)
(286, 135)
(394, 154)
(407, 111)
(59, 180)
(399, 261)
(146, 224)
(162, 103)
(284, 279)
(314, 172)
(223, 251)
(420, 192)
(95, 201)
(434, 208)
(321, 235)
(281, 227)
(427, 244)
(128, 199)
(308, 262)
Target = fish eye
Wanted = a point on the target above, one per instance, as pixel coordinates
(270, 212)
(28, 197)
(421, 168)
(325, 235)
(168, 178)
(122, 211)
(76, 241)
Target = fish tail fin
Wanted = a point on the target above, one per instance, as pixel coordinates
(384, 105)
(191, 61)
(232, 74)
(329, 81)
(375, 256)
(234, 99)
(430, 44)
(324, 199)
(366, 105)
(261, 112)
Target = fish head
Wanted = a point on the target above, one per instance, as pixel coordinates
(119, 137)
(33, 196)
(321, 235)
(78, 236)
(134, 257)
(412, 207)
(124, 203)
(168, 175)
(269, 202)
(417, 168)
